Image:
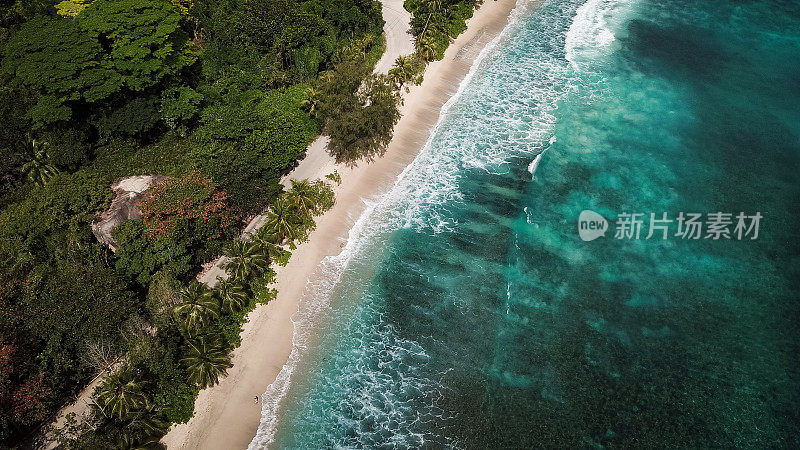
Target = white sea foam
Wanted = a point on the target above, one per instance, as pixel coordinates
(316, 296)
(373, 391)
(535, 163)
(594, 30)
(314, 301)
(421, 194)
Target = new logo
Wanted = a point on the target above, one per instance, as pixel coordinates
(591, 225)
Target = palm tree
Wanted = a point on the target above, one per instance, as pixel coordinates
(143, 430)
(282, 219)
(267, 236)
(128, 440)
(198, 307)
(120, 394)
(276, 254)
(312, 102)
(326, 75)
(232, 295)
(246, 259)
(206, 361)
(426, 47)
(401, 72)
(396, 77)
(433, 5)
(356, 49)
(37, 169)
(302, 195)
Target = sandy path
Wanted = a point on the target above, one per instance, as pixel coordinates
(226, 415)
(399, 41)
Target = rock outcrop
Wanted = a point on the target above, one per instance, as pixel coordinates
(125, 206)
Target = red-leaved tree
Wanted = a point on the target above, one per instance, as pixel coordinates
(28, 401)
(191, 198)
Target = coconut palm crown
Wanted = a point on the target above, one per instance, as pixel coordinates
(38, 170)
(206, 360)
(198, 308)
(232, 295)
(282, 219)
(120, 394)
(245, 260)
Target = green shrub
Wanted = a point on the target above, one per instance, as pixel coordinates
(118, 159)
(184, 221)
(261, 288)
(51, 220)
(134, 119)
(248, 143)
(360, 127)
(67, 147)
(180, 106)
(173, 396)
(68, 308)
(138, 257)
(163, 294)
(307, 60)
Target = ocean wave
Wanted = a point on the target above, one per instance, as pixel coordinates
(594, 31)
(371, 391)
(507, 111)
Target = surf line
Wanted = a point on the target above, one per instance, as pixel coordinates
(535, 163)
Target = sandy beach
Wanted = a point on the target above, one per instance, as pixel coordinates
(226, 415)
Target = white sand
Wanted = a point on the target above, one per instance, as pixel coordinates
(226, 415)
(399, 41)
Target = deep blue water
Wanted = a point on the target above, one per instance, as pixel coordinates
(467, 312)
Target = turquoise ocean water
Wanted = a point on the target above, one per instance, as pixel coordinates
(465, 310)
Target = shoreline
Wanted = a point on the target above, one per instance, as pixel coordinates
(226, 415)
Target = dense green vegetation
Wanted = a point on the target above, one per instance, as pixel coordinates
(185, 221)
(362, 108)
(183, 343)
(435, 22)
(222, 97)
